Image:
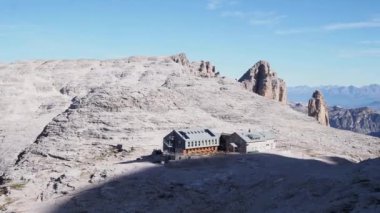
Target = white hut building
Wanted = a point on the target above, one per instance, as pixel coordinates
(248, 142)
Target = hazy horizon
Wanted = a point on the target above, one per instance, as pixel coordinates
(307, 42)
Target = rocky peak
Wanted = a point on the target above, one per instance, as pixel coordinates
(206, 69)
(261, 79)
(200, 68)
(317, 108)
(181, 58)
(317, 94)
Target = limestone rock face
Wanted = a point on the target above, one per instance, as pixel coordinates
(261, 79)
(317, 108)
(362, 120)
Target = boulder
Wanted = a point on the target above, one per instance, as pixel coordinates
(261, 79)
(317, 108)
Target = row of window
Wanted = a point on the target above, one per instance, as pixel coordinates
(202, 143)
(195, 132)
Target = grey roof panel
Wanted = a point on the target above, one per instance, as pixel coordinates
(196, 134)
(252, 137)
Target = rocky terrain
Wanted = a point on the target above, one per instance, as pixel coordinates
(33, 93)
(262, 80)
(64, 121)
(262, 183)
(362, 120)
(343, 96)
(317, 108)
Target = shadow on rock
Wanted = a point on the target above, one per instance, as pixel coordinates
(239, 183)
(157, 156)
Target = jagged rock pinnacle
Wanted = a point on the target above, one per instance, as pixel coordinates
(261, 79)
(317, 108)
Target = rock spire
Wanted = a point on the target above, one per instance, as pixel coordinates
(317, 108)
(261, 79)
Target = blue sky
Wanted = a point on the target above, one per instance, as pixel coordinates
(308, 42)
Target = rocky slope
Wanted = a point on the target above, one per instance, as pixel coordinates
(361, 120)
(262, 80)
(317, 108)
(34, 92)
(77, 112)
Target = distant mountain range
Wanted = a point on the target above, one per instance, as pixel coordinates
(344, 96)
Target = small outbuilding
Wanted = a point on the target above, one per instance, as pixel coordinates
(187, 142)
(248, 142)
